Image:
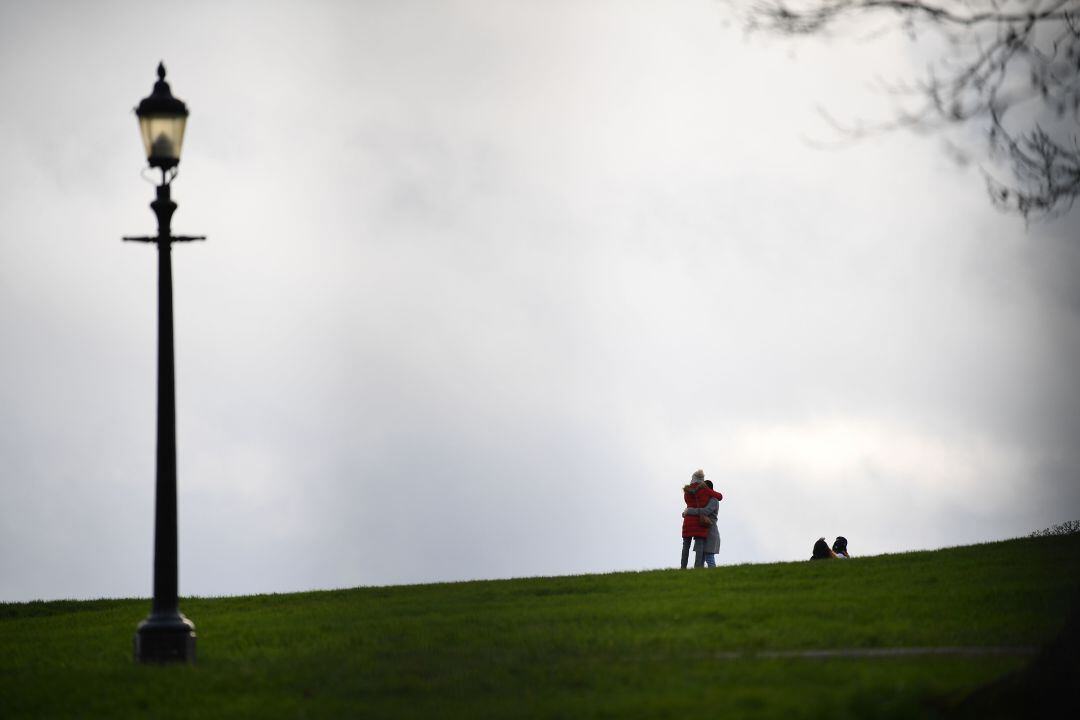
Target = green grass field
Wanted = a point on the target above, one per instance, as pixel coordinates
(665, 643)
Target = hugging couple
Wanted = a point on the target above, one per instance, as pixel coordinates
(699, 521)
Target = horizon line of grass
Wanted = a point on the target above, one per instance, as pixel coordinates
(1068, 528)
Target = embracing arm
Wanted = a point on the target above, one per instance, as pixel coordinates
(710, 508)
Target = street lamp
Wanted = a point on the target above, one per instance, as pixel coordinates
(161, 122)
(166, 635)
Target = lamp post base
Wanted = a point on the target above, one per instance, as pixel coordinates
(165, 639)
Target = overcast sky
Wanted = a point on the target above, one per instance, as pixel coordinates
(486, 282)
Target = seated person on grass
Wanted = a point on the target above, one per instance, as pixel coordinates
(839, 547)
(822, 551)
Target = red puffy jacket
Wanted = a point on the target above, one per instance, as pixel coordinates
(697, 495)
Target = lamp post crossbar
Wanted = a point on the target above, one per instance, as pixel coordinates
(171, 238)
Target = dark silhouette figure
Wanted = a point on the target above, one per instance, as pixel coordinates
(822, 551)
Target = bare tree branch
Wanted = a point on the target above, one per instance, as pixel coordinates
(778, 16)
(1003, 54)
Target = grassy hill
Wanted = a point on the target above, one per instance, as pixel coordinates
(667, 643)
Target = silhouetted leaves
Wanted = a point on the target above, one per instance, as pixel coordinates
(1066, 528)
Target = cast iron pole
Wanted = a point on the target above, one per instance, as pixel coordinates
(166, 635)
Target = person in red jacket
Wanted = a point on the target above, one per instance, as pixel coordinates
(696, 495)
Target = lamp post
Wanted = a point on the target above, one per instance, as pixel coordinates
(166, 635)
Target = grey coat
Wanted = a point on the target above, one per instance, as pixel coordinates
(711, 509)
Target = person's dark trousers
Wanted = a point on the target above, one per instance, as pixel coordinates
(699, 552)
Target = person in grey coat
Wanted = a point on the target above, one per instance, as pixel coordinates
(711, 510)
